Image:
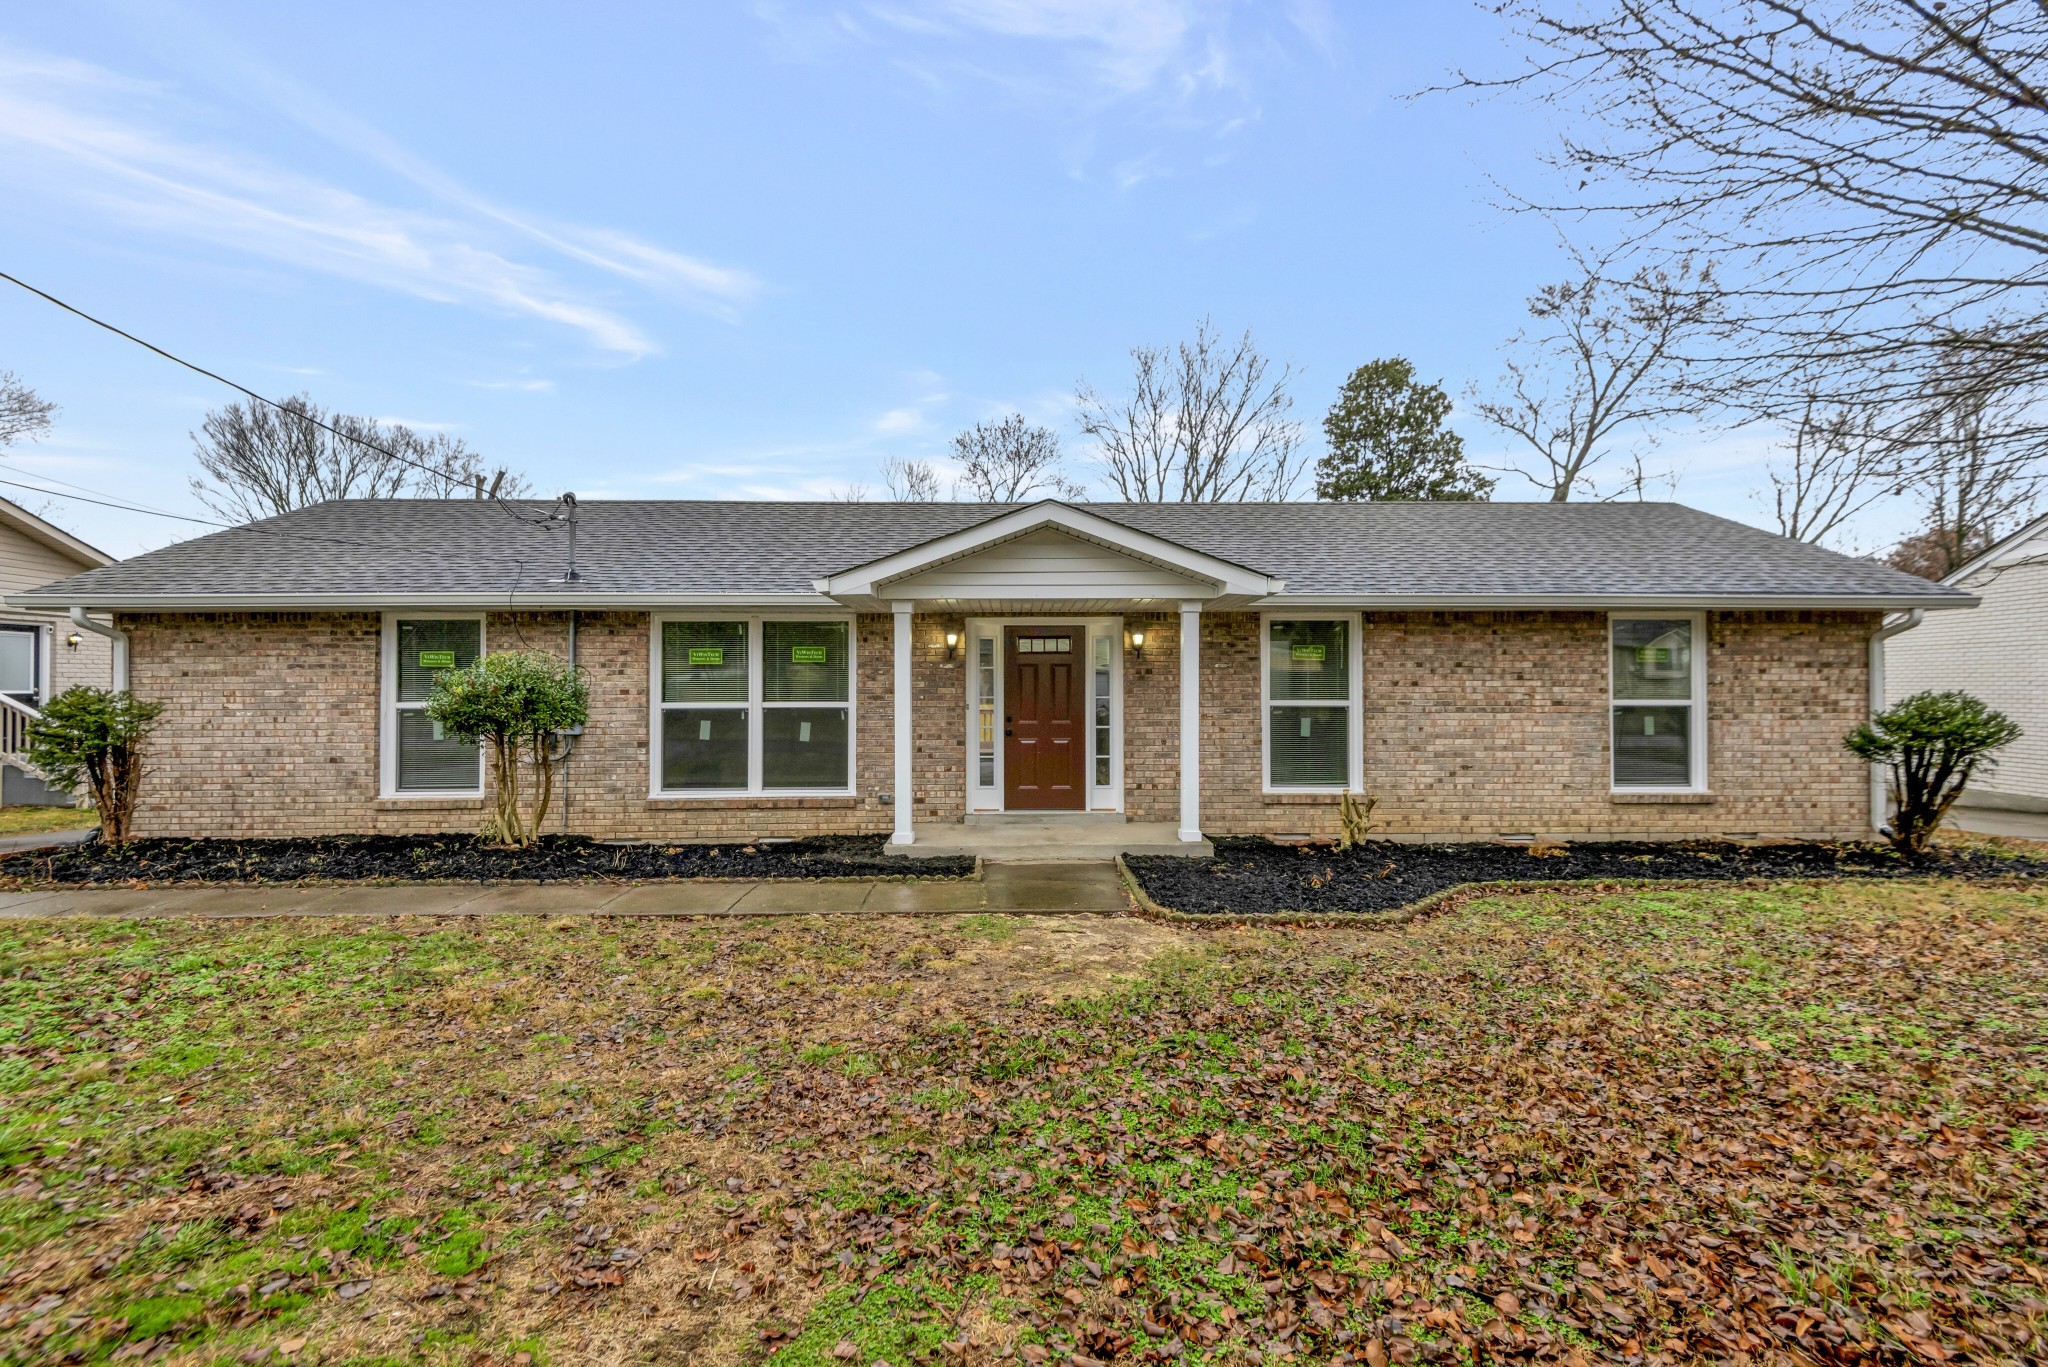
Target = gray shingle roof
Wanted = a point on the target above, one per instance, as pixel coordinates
(392, 549)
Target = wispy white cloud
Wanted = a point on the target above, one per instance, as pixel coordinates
(71, 132)
(1129, 84)
(898, 422)
(1125, 47)
(1091, 51)
(516, 386)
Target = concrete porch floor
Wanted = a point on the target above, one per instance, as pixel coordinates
(1052, 837)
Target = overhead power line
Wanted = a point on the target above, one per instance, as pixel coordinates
(105, 500)
(546, 522)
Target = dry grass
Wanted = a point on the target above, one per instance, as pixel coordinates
(36, 820)
(592, 1140)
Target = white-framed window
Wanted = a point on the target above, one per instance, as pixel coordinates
(985, 651)
(1657, 698)
(1309, 697)
(752, 705)
(418, 759)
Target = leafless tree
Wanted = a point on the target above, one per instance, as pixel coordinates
(1205, 422)
(1870, 176)
(855, 492)
(1007, 461)
(24, 414)
(1837, 463)
(1977, 489)
(259, 461)
(1601, 364)
(910, 481)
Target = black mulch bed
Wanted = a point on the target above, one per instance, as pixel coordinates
(466, 858)
(1257, 877)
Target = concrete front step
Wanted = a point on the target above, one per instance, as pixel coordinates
(1032, 838)
(1023, 821)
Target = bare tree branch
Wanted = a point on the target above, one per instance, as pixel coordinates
(910, 481)
(1601, 364)
(1975, 492)
(1838, 463)
(1870, 177)
(1008, 461)
(24, 415)
(261, 461)
(1201, 424)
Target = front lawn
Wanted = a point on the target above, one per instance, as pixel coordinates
(36, 820)
(1801, 1120)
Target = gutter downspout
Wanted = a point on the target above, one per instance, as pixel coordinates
(119, 638)
(1880, 800)
(567, 739)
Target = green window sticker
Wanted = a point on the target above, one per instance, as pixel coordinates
(437, 659)
(707, 655)
(807, 655)
(1307, 652)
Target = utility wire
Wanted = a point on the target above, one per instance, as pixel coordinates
(85, 495)
(546, 522)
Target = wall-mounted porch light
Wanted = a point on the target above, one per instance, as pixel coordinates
(71, 641)
(952, 643)
(1138, 644)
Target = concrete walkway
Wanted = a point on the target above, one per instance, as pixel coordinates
(1997, 821)
(44, 840)
(1006, 887)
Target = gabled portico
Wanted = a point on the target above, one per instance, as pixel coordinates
(1046, 598)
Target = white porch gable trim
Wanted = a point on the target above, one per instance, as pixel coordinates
(877, 579)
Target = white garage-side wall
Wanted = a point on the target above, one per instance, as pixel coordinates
(1998, 651)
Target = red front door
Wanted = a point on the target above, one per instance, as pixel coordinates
(1045, 735)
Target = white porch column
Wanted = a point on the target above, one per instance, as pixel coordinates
(1191, 721)
(904, 805)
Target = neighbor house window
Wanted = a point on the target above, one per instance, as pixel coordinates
(754, 706)
(419, 757)
(1311, 703)
(1656, 702)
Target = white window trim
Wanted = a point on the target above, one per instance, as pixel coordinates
(754, 706)
(1696, 705)
(1101, 797)
(387, 726)
(1354, 759)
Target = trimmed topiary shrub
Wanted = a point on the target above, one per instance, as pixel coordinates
(1933, 744)
(517, 704)
(91, 740)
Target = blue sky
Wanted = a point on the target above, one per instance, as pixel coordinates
(740, 250)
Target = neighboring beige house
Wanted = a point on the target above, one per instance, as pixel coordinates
(960, 675)
(1999, 653)
(42, 653)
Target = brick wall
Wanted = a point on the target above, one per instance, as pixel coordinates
(938, 719)
(271, 728)
(1475, 724)
(1485, 724)
(1152, 718)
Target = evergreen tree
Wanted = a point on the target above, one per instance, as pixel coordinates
(1388, 441)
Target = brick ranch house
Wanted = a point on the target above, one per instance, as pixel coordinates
(761, 670)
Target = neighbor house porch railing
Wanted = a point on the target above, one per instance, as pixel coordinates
(15, 716)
